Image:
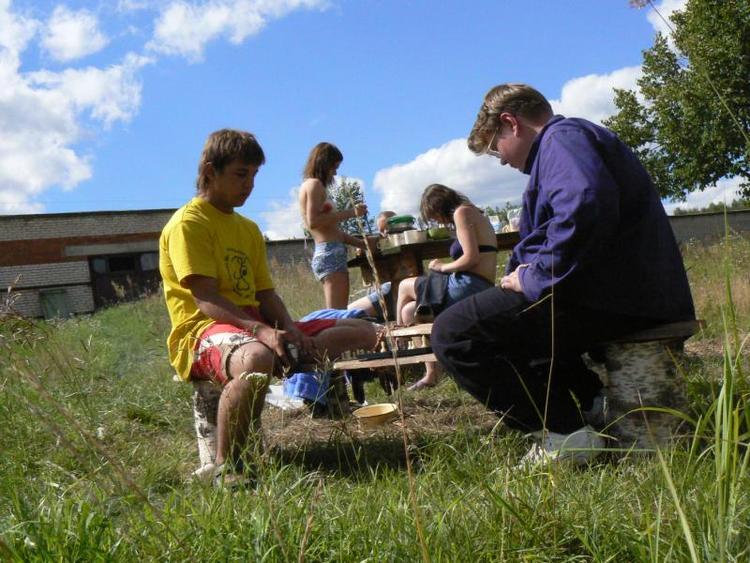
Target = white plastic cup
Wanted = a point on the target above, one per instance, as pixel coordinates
(514, 218)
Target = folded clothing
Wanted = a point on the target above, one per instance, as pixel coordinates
(312, 386)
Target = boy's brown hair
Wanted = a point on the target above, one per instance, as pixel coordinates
(518, 99)
(224, 146)
(322, 159)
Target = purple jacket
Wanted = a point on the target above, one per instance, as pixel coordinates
(594, 227)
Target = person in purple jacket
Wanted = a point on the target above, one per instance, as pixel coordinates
(597, 259)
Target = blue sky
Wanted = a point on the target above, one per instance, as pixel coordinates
(106, 105)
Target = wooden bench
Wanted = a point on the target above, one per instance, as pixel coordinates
(417, 333)
(638, 370)
(421, 352)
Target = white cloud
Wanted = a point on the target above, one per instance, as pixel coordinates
(480, 178)
(132, 5)
(71, 35)
(43, 113)
(725, 191)
(184, 28)
(15, 31)
(592, 96)
(111, 94)
(665, 8)
(284, 220)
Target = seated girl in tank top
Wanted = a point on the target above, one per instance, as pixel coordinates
(472, 269)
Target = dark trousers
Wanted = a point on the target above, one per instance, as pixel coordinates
(523, 360)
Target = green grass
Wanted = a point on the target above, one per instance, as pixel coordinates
(97, 443)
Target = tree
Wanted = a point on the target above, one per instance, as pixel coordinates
(346, 194)
(692, 127)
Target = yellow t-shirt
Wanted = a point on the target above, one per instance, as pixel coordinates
(200, 239)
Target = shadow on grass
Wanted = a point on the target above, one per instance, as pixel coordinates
(354, 457)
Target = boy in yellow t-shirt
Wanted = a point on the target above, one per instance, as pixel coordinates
(227, 320)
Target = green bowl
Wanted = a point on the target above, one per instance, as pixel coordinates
(399, 219)
(438, 233)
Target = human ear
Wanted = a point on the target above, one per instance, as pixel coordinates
(512, 121)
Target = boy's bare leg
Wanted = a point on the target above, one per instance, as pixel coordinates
(363, 304)
(348, 334)
(241, 402)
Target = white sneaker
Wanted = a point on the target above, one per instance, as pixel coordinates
(579, 447)
(204, 474)
(222, 476)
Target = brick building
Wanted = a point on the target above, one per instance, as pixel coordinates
(68, 263)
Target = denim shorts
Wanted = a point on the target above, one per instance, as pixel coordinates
(328, 258)
(461, 285)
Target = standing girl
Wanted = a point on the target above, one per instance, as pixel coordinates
(320, 218)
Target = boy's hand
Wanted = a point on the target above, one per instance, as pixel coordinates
(278, 340)
(272, 338)
(512, 281)
(305, 344)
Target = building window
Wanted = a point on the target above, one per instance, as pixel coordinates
(149, 261)
(55, 303)
(99, 265)
(122, 263)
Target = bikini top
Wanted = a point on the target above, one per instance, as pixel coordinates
(456, 251)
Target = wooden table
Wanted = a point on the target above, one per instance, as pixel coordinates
(405, 261)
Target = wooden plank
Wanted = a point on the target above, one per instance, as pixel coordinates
(669, 331)
(384, 362)
(413, 330)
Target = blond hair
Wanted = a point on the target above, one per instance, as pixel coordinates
(517, 99)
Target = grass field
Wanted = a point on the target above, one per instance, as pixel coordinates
(97, 445)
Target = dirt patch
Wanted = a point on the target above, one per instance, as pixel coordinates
(712, 347)
(297, 428)
(343, 446)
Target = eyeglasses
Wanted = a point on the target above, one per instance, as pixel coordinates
(490, 150)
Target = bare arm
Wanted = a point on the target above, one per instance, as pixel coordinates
(214, 305)
(346, 238)
(217, 307)
(464, 220)
(273, 309)
(313, 195)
